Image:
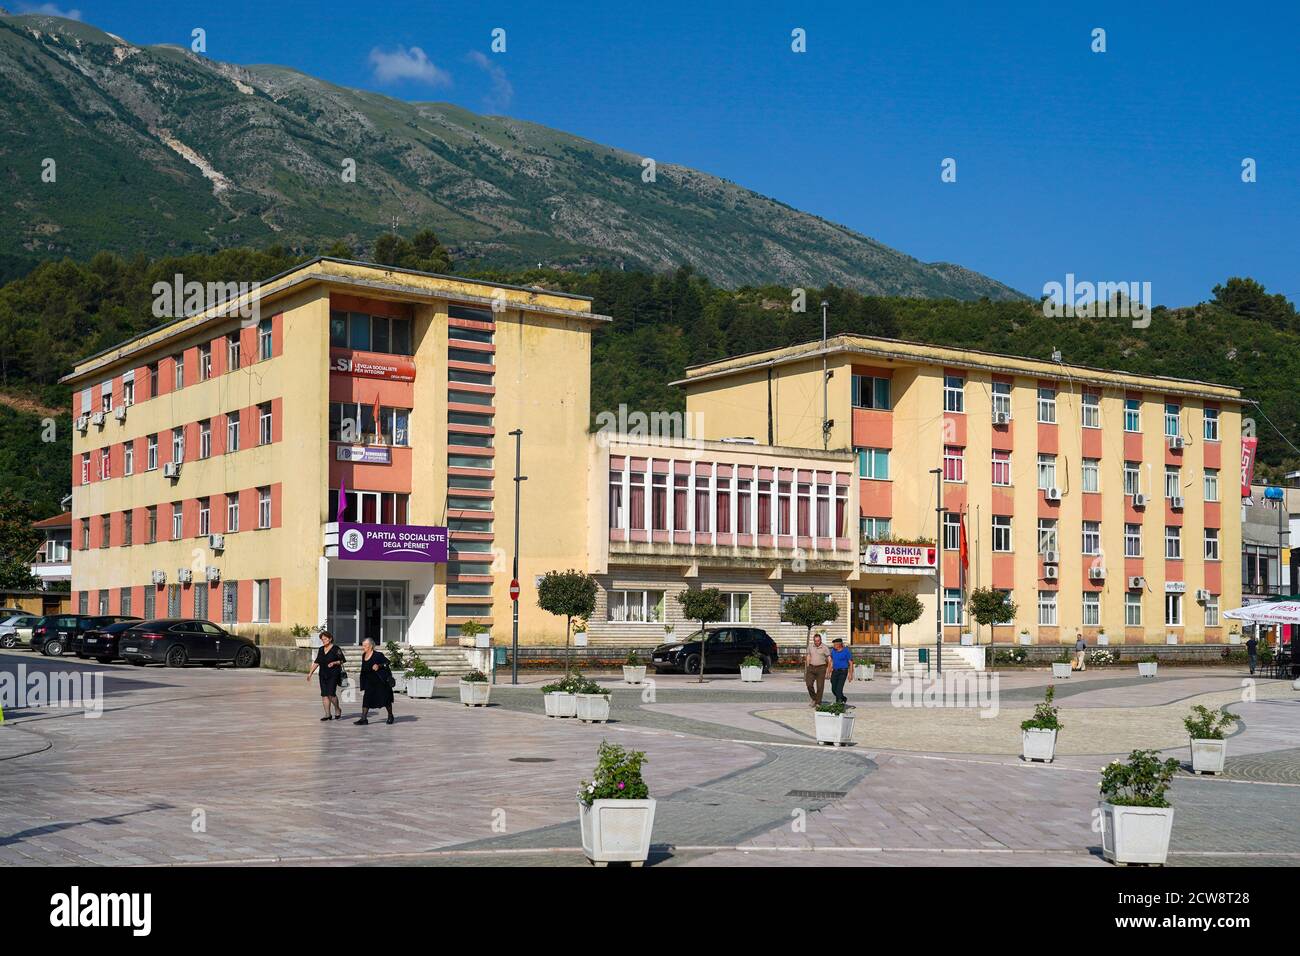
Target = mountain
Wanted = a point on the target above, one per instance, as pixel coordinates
(161, 151)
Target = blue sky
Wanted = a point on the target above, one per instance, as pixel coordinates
(1115, 166)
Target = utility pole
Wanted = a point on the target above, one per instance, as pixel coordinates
(518, 435)
(938, 569)
(826, 423)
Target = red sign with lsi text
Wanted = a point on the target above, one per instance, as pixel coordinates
(390, 368)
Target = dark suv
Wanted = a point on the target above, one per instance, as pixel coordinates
(726, 648)
(56, 634)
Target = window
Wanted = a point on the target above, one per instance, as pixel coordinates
(1132, 478)
(151, 453)
(1047, 539)
(229, 602)
(201, 601)
(264, 423)
(1091, 474)
(1132, 608)
(85, 534)
(128, 391)
(151, 525)
(153, 379)
(233, 352)
(232, 512)
(261, 601)
(150, 593)
(1002, 398)
(1211, 419)
(952, 607)
(954, 393)
(264, 340)
(106, 398)
(873, 463)
(874, 529)
(1211, 544)
(372, 333)
(83, 603)
(105, 530)
(128, 458)
(124, 602)
(1132, 414)
(871, 392)
(1132, 541)
(1047, 608)
(1172, 489)
(1211, 484)
(232, 431)
(205, 439)
(355, 422)
(1002, 468)
(264, 507)
(103, 601)
(205, 362)
(1002, 533)
(128, 529)
(953, 463)
(177, 520)
(1092, 537)
(1212, 611)
(205, 516)
(1047, 405)
(105, 464)
(1172, 413)
(737, 606)
(636, 607)
(1091, 609)
(1046, 471)
(951, 531)
(178, 444)
(374, 507)
(85, 467)
(173, 600)
(1173, 610)
(1173, 541)
(1091, 410)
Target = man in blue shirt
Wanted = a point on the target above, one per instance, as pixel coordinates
(841, 663)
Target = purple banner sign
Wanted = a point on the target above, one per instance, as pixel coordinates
(392, 542)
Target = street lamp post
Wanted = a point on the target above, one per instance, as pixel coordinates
(939, 509)
(518, 435)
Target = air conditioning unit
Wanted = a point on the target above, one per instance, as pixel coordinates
(159, 577)
(172, 469)
(1050, 574)
(1052, 494)
(184, 575)
(83, 422)
(1051, 557)
(1001, 418)
(211, 573)
(1137, 583)
(120, 413)
(97, 419)
(1096, 574)
(1202, 595)
(1177, 442)
(217, 542)
(1176, 503)
(1139, 500)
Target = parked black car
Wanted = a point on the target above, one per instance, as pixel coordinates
(726, 648)
(180, 641)
(101, 642)
(56, 634)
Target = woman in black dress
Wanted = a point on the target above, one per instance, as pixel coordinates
(329, 658)
(376, 682)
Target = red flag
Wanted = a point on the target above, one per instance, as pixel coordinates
(379, 428)
(963, 544)
(1248, 446)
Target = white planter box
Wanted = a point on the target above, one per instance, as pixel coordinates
(1103, 640)
(560, 704)
(1147, 669)
(592, 708)
(1295, 684)
(1060, 671)
(1171, 638)
(836, 729)
(1038, 744)
(1023, 638)
(1136, 834)
(475, 693)
(633, 675)
(1208, 755)
(482, 640)
(616, 831)
(580, 639)
(886, 640)
(968, 640)
(865, 672)
(420, 687)
(751, 675)
(1234, 638)
(399, 683)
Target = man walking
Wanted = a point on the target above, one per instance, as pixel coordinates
(1080, 653)
(841, 664)
(817, 663)
(1252, 648)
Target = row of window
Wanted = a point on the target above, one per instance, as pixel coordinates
(458, 420)
(1048, 603)
(646, 606)
(1003, 539)
(228, 502)
(261, 611)
(362, 424)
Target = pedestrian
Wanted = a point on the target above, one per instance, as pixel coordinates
(1080, 653)
(841, 664)
(1252, 648)
(330, 660)
(817, 664)
(376, 682)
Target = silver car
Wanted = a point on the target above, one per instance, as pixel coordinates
(16, 629)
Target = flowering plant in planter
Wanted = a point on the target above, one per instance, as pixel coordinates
(617, 776)
(567, 684)
(396, 659)
(416, 667)
(586, 685)
(632, 660)
(752, 660)
(1045, 714)
(1141, 782)
(1101, 657)
(1205, 724)
(835, 708)
(475, 677)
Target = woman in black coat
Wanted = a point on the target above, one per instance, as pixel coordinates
(330, 660)
(376, 682)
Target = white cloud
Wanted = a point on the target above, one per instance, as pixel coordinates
(402, 64)
(502, 91)
(49, 10)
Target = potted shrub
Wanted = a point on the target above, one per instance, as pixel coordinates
(633, 669)
(1171, 638)
(1205, 729)
(1024, 636)
(1100, 658)
(751, 669)
(1061, 666)
(559, 696)
(1102, 638)
(1136, 819)
(301, 635)
(580, 633)
(834, 724)
(398, 663)
(864, 670)
(471, 632)
(1147, 668)
(475, 689)
(420, 678)
(967, 639)
(1038, 733)
(615, 810)
(591, 702)
(1234, 635)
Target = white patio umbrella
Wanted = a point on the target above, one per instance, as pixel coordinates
(1268, 612)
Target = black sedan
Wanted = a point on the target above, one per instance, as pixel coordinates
(56, 634)
(180, 641)
(726, 648)
(101, 642)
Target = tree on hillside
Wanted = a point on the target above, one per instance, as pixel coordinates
(18, 543)
(422, 252)
(1248, 299)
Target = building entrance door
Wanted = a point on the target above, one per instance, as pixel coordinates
(372, 615)
(867, 625)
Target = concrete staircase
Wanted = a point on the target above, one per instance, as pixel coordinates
(954, 659)
(450, 662)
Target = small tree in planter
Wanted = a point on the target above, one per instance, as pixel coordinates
(1206, 728)
(397, 663)
(1136, 818)
(990, 606)
(420, 678)
(475, 689)
(898, 608)
(1038, 733)
(592, 702)
(809, 611)
(615, 810)
(633, 669)
(751, 668)
(704, 605)
(833, 724)
(471, 630)
(568, 594)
